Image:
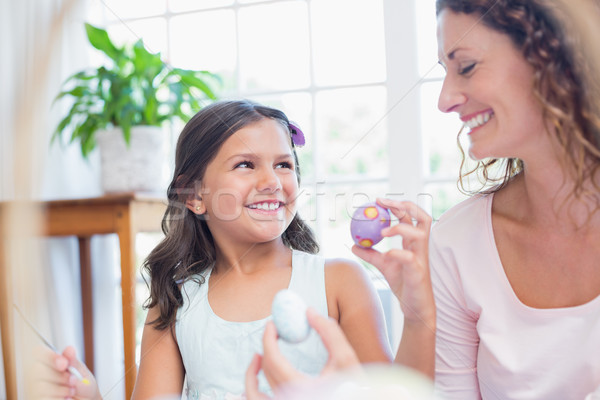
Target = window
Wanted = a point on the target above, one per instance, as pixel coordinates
(360, 77)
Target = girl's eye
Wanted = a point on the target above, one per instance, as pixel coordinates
(467, 69)
(244, 164)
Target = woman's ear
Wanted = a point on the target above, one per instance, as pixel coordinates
(195, 205)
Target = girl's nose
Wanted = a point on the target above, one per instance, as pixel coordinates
(451, 97)
(268, 181)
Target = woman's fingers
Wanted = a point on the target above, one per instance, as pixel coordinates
(392, 259)
(408, 232)
(406, 212)
(251, 380)
(278, 370)
(341, 353)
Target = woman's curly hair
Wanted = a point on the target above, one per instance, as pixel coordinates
(565, 82)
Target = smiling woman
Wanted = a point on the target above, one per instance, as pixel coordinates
(515, 268)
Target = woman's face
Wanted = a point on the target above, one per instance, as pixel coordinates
(488, 84)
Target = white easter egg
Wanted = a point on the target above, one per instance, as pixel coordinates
(289, 316)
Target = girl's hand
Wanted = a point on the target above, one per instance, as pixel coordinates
(278, 370)
(406, 270)
(54, 381)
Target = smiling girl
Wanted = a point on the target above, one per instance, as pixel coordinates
(233, 240)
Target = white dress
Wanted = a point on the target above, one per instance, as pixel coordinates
(216, 352)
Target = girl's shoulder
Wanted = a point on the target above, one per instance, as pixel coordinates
(341, 264)
(343, 270)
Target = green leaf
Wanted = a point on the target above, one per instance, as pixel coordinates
(190, 78)
(99, 39)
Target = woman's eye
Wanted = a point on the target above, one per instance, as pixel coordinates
(467, 69)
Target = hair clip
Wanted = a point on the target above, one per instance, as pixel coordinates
(297, 135)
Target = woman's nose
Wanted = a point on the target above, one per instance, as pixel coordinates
(451, 96)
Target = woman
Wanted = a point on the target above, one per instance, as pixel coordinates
(515, 269)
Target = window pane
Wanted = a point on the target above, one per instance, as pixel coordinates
(152, 31)
(205, 41)
(443, 196)
(274, 47)
(426, 37)
(119, 9)
(348, 41)
(439, 135)
(352, 131)
(190, 5)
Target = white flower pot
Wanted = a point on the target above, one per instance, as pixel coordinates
(139, 167)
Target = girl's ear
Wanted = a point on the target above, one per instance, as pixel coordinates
(193, 200)
(196, 205)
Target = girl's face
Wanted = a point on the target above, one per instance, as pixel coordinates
(489, 84)
(249, 189)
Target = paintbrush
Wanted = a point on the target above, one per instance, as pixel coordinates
(71, 368)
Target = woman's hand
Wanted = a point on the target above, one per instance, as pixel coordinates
(52, 380)
(406, 270)
(280, 372)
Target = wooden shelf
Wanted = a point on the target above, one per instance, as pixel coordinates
(126, 215)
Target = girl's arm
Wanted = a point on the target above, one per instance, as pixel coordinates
(407, 272)
(354, 303)
(161, 368)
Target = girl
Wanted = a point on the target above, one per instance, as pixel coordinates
(233, 239)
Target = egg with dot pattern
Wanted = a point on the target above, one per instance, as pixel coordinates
(367, 222)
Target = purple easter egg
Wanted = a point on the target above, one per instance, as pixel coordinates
(367, 222)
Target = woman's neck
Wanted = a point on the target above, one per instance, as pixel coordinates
(543, 195)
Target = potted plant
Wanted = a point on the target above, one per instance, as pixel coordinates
(115, 107)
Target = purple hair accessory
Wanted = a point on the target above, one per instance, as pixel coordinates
(297, 135)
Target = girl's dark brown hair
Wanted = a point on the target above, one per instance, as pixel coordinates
(188, 247)
(564, 83)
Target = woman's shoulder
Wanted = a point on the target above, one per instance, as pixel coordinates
(470, 211)
(465, 224)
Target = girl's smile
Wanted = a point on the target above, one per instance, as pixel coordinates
(249, 189)
(268, 207)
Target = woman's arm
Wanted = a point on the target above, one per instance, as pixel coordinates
(354, 303)
(161, 368)
(407, 273)
(457, 340)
